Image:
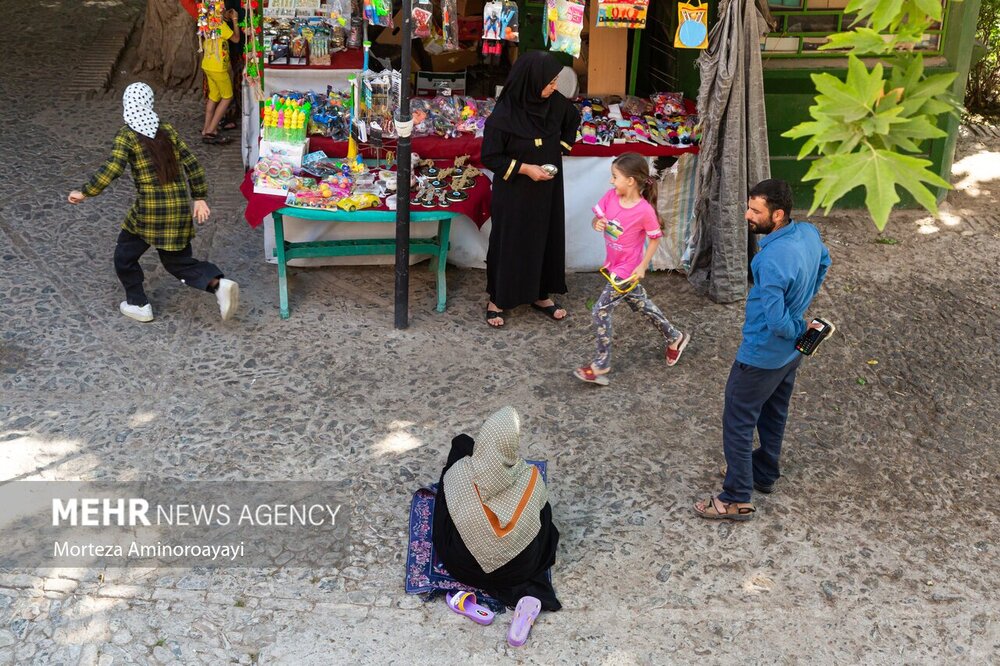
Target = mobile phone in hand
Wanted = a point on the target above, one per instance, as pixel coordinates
(809, 341)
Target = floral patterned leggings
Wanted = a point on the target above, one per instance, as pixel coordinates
(638, 300)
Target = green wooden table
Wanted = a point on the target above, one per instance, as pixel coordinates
(436, 246)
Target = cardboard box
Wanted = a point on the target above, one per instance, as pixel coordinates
(454, 61)
(434, 83)
(393, 35)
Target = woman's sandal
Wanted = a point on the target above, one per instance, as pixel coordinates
(525, 614)
(550, 310)
(733, 511)
(464, 603)
(495, 314)
(586, 373)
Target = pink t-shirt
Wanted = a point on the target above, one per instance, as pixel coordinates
(626, 233)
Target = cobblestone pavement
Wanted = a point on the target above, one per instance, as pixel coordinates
(879, 547)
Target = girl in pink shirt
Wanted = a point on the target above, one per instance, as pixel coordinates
(626, 215)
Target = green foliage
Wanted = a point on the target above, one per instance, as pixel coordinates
(983, 89)
(862, 127)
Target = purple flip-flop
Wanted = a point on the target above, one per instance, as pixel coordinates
(527, 610)
(464, 603)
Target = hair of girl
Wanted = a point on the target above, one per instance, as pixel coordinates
(634, 165)
(161, 153)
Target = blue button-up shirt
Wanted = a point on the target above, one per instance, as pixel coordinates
(787, 273)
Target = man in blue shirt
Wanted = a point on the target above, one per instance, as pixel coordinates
(787, 273)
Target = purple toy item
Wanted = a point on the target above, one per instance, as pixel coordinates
(464, 603)
(527, 610)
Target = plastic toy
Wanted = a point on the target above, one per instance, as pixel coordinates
(358, 201)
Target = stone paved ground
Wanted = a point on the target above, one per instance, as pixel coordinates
(879, 547)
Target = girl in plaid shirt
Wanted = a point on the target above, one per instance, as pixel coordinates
(163, 169)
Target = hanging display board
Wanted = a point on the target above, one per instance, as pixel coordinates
(618, 14)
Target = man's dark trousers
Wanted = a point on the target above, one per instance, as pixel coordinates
(756, 398)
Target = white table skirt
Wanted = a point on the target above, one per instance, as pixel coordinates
(586, 181)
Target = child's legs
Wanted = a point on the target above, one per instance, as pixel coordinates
(127, 252)
(220, 94)
(639, 301)
(602, 325)
(187, 269)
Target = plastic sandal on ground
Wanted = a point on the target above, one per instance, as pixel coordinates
(525, 614)
(464, 603)
(586, 373)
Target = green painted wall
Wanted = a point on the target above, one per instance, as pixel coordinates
(790, 92)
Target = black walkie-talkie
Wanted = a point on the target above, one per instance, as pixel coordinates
(809, 341)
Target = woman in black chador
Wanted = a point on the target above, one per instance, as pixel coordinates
(532, 125)
(492, 518)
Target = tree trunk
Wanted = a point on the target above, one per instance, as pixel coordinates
(169, 45)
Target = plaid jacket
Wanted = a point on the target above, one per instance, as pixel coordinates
(161, 215)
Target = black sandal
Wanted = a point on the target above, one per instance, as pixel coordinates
(550, 310)
(495, 314)
(215, 139)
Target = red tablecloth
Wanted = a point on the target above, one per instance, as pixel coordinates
(438, 148)
(476, 207)
(349, 59)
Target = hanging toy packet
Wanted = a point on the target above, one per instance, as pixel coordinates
(209, 21)
(449, 24)
(422, 12)
(692, 26)
(492, 24)
(509, 21)
(378, 12)
(619, 14)
(565, 26)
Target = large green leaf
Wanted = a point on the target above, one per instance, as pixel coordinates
(931, 8)
(885, 12)
(879, 172)
(861, 41)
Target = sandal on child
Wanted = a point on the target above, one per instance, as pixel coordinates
(215, 139)
(464, 603)
(527, 610)
(733, 510)
(674, 355)
(586, 373)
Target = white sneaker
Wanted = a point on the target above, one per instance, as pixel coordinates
(228, 295)
(142, 313)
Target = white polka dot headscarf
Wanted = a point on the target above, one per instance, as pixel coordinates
(139, 114)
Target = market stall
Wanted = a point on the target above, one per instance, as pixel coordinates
(612, 122)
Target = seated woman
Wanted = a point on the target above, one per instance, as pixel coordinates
(492, 519)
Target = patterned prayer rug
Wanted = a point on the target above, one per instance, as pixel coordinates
(425, 574)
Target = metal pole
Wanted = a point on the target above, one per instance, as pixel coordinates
(404, 125)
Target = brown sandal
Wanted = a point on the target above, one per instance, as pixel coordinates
(733, 511)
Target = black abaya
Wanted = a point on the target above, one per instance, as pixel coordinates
(526, 260)
(523, 576)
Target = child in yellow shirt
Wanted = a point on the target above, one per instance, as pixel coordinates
(215, 65)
